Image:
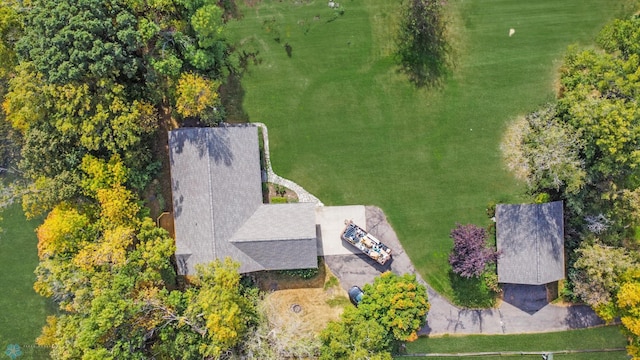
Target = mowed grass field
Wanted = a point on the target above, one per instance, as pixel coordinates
(345, 125)
(608, 337)
(22, 311)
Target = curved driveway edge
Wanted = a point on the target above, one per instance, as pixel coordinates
(445, 318)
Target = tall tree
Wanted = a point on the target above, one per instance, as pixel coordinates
(543, 151)
(90, 79)
(628, 304)
(598, 274)
(62, 123)
(393, 309)
(92, 75)
(10, 31)
(101, 263)
(207, 320)
(354, 337)
(220, 307)
(91, 39)
(423, 50)
(190, 41)
(142, 45)
(197, 97)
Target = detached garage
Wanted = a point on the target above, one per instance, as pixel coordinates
(531, 240)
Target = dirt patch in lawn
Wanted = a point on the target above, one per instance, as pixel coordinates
(307, 310)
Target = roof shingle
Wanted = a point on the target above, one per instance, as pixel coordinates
(531, 239)
(217, 200)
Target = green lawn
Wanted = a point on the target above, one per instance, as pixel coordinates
(22, 311)
(608, 337)
(347, 127)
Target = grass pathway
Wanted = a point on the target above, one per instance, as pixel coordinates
(348, 128)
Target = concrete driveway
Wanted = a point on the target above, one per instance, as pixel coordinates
(354, 267)
(527, 315)
(330, 224)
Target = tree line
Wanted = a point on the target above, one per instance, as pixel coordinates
(584, 149)
(86, 86)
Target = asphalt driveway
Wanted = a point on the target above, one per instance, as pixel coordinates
(524, 309)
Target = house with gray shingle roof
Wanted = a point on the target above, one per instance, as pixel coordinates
(531, 240)
(218, 210)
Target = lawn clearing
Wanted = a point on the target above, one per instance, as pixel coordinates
(597, 338)
(347, 127)
(22, 311)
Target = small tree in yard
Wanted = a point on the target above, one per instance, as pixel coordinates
(422, 48)
(393, 309)
(470, 254)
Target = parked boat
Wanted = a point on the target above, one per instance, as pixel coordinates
(365, 242)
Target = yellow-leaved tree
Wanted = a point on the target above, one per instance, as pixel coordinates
(628, 304)
(197, 97)
(226, 313)
(392, 309)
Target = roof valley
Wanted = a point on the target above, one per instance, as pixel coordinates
(224, 215)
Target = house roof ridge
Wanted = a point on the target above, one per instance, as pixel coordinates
(211, 207)
(241, 236)
(538, 214)
(232, 220)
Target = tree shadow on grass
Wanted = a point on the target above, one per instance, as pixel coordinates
(232, 97)
(426, 72)
(422, 47)
(231, 91)
(471, 292)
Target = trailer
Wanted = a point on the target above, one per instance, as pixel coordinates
(365, 242)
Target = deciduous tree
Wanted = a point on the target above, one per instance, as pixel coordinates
(392, 309)
(220, 307)
(594, 129)
(628, 306)
(197, 97)
(422, 47)
(205, 321)
(599, 270)
(398, 303)
(354, 337)
(470, 254)
(84, 98)
(70, 41)
(543, 151)
(621, 35)
(63, 231)
(24, 103)
(10, 32)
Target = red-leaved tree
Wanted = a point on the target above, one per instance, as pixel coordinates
(470, 254)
